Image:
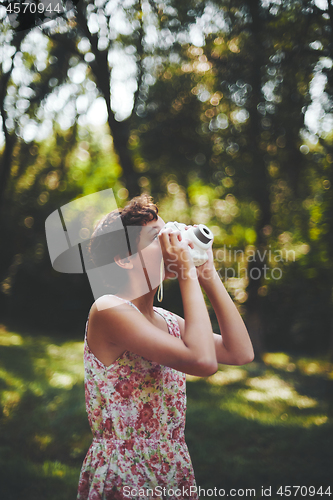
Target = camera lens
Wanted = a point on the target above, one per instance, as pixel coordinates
(203, 234)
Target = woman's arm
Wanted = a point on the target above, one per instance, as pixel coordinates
(127, 329)
(222, 354)
(198, 334)
(233, 346)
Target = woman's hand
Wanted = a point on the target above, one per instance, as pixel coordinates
(178, 261)
(207, 270)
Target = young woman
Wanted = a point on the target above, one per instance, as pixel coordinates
(136, 358)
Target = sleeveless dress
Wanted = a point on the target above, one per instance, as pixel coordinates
(136, 411)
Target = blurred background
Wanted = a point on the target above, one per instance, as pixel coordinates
(222, 111)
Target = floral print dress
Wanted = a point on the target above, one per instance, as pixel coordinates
(136, 411)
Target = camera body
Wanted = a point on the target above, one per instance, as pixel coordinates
(201, 237)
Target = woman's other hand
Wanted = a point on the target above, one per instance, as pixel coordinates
(207, 270)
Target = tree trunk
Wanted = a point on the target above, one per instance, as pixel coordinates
(329, 175)
(5, 165)
(253, 317)
(10, 139)
(120, 131)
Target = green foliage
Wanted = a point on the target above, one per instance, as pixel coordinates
(45, 176)
(219, 133)
(261, 425)
(45, 430)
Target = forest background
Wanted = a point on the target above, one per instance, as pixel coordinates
(222, 111)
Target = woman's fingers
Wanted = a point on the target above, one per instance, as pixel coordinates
(170, 235)
(175, 236)
(164, 239)
(170, 239)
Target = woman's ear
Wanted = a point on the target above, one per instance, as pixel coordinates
(125, 263)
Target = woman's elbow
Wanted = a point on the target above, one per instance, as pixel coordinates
(245, 359)
(207, 368)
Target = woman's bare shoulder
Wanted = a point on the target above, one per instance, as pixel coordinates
(106, 315)
(106, 304)
(107, 301)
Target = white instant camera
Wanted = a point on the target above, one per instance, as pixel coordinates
(200, 236)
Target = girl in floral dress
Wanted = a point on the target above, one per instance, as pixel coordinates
(136, 357)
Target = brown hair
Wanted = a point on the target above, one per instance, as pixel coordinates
(105, 243)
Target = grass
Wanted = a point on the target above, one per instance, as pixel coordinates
(258, 425)
(45, 432)
(264, 425)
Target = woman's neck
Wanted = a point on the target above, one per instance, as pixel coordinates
(144, 302)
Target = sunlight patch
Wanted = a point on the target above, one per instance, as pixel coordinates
(54, 350)
(43, 440)
(279, 360)
(66, 363)
(320, 420)
(9, 400)
(192, 378)
(228, 376)
(308, 366)
(7, 338)
(54, 469)
(62, 380)
(272, 388)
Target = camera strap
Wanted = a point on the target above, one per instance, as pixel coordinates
(160, 288)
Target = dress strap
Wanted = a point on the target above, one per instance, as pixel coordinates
(128, 302)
